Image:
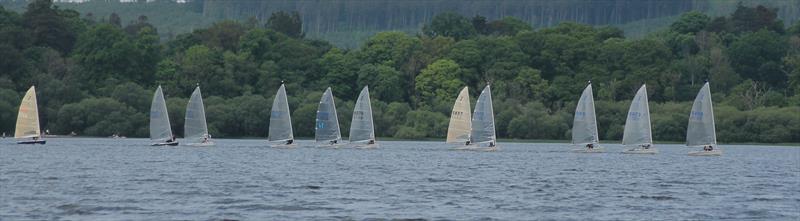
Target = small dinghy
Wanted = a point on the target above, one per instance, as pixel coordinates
(362, 128)
(327, 132)
(637, 136)
(701, 131)
(584, 125)
(478, 132)
(160, 130)
(27, 129)
(195, 128)
(280, 122)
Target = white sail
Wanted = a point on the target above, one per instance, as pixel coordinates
(195, 127)
(701, 130)
(584, 125)
(159, 118)
(460, 121)
(637, 126)
(28, 116)
(327, 128)
(362, 127)
(280, 119)
(483, 118)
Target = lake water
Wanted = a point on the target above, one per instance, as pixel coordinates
(125, 179)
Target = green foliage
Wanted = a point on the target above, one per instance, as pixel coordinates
(102, 83)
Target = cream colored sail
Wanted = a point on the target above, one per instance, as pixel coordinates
(28, 117)
(584, 125)
(701, 130)
(362, 128)
(637, 126)
(460, 119)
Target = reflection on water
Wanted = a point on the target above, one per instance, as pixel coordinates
(244, 179)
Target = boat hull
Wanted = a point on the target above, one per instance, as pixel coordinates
(366, 146)
(32, 142)
(283, 145)
(587, 150)
(206, 144)
(164, 144)
(476, 148)
(706, 153)
(641, 151)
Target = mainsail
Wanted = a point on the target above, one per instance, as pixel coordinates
(28, 117)
(327, 128)
(460, 121)
(195, 127)
(159, 119)
(637, 126)
(280, 119)
(701, 130)
(483, 118)
(362, 128)
(584, 125)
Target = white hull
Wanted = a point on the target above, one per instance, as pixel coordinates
(651, 150)
(706, 153)
(206, 144)
(283, 145)
(334, 146)
(587, 150)
(476, 148)
(366, 146)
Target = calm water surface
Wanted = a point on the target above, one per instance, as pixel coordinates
(106, 179)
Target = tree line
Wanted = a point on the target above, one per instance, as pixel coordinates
(96, 77)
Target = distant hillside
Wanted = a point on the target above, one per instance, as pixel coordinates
(348, 22)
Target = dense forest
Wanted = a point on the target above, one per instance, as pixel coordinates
(96, 76)
(348, 23)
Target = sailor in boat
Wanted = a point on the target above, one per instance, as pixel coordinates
(491, 144)
(371, 142)
(333, 142)
(289, 142)
(467, 144)
(590, 146)
(171, 139)
(646, 146)
(205, 138)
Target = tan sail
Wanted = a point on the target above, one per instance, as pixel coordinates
(460, 119)
(28, 117)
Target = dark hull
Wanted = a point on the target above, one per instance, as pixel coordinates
(32, 142)
(165, 144)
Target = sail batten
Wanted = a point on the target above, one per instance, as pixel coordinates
(483, 129)
(584, 125)
(28, 116)
(195, 126)
(362, 127)
(460, 125)
(327, 128)
(280, 119)
(159, 118)
(701, 129)
(637, 126)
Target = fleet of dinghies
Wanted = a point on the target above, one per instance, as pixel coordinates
(468, 130)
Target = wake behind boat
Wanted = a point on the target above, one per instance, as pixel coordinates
(637, 136)
(195, 128)
(362, 128)
(701, 130)
(327, 132)
(160, 130)
(27, 126)
(584, 125)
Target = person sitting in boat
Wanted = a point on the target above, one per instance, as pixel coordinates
(491, 144)
(590, 146)
(333, 142)
(205, 139)
(710, 148)
(467, 144)
(289, 142)
(171, 139)
(706, 148)
(371, 142)
(646, 146)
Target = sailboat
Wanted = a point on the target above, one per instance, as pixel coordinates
(362, 128)
(160, 130)
(584, 125)
(327, 128)
(482, 130)
(460, 121)
(28, 120)
(195, 127)
(280, 121)
(701, 130)
(638, 136)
